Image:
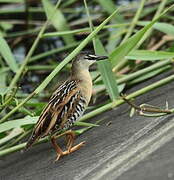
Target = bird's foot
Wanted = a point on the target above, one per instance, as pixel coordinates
(75, 148)
(70, 150)
(61, 154)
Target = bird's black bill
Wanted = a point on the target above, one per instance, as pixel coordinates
(98, 58)
(95, 57)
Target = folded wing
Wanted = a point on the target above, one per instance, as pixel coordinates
(65, 106)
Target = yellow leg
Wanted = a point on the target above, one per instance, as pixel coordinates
(70, 140)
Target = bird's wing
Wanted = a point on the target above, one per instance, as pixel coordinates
(51, 114)
(72, 111)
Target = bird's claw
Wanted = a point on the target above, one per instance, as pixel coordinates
(61, 154)
(58, 157)
(70, 150)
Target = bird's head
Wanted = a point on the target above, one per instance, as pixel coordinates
(84, 60)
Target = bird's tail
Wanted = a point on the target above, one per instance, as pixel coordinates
(31, 141)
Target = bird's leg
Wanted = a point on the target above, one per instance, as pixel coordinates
(57, 148)
(70, 138)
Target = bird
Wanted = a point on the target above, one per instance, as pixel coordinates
(66, 105)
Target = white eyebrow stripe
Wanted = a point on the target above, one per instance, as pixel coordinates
(93, 56)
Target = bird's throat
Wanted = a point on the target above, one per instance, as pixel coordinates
(85, 82)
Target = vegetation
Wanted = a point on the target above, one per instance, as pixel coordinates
(38, 39)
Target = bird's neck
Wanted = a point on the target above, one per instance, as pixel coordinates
(85, 81)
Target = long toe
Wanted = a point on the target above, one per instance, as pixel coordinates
(58, 157)
(75, 148)
(82, 143)
(78, 146)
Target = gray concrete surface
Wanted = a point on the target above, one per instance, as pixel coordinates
(104, 144)
(159, 165)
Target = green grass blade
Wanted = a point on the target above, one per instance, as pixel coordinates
(149, 75)
(58, 21)
(28, 120)
(82, 130)
(81, 30)
(53, 51)
(3, 86)
(161, 26)
(31, 51)
(105, 69)
(147, 55)
(9, 1)
(120, 52)
(17, 123)
(15, 132)
(109, 7)
(104, 66)
(134, 21)
(6, 53)
(78, 123)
